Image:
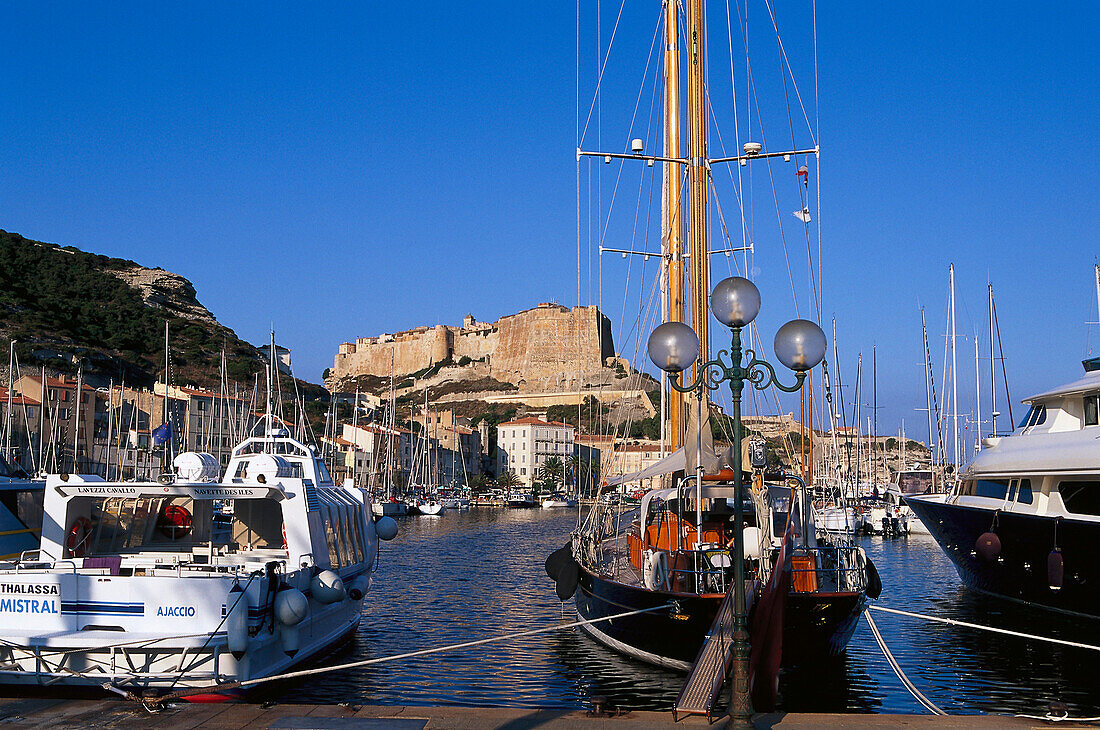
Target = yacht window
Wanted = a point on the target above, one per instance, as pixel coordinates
(1082, 498)
(1092, 410)
(992, 488)
(242, 470)
(1023, 494)
(1034, 417)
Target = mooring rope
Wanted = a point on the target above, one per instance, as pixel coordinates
(1049, 717)
(917, 695)
(152, 702)
(1008, 632)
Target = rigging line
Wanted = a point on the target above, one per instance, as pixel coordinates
(394, 657)
(736, 133)
(601, 64)
(993, 629)
(782, 235)
(794, 83)
(817, 182)
(725, 230)
(906, 682)
(641, 180)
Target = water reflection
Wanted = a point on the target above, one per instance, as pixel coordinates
(469, 575)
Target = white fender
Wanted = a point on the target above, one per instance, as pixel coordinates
(752, 537)
(291, 607)
(327, 587)
(656, 569)
(386, 528)
(357, 589)
(289, 639)
(236, 621)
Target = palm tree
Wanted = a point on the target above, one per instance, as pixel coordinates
(508, 480)
(553, 470)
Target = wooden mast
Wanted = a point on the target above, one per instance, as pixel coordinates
(671, 211)
(697, 179)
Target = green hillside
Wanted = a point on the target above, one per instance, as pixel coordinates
(65, 306)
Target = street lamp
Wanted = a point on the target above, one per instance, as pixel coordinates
(673, 347)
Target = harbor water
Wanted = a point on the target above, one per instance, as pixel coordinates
(469, 575)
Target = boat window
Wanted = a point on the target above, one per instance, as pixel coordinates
(355, 537)
(915, 482)
(1034, 417)
(127, 524)
(1023, 494)
(242, 470)
(992, 488)
(322, 472)
(330, 539)
(1081, 498)
(347, 555)
(257, 523)
(1092, 410)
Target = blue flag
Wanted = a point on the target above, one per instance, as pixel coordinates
(162, 434)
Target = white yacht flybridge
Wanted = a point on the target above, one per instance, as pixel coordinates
(190, 581)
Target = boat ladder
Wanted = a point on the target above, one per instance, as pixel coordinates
(708, 673)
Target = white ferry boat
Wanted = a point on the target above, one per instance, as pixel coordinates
(145, 585)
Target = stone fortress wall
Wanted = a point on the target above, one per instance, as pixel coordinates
(549, 343)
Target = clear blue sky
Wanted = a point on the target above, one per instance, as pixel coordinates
(342, 170)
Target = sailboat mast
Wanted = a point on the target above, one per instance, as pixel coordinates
(993, 369)
(672, 214)
(954, 375)
(874, 406)
(932, 447)
(697, 180)
(7, 416)
(1096, 271)
(978, 397)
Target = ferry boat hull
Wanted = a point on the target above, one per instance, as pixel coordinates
(1019, 572)
(102, 639)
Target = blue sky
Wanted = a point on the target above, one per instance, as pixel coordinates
(342, 170)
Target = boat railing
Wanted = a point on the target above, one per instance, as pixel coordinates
(38, 565)
(708, 571)
(827, 568)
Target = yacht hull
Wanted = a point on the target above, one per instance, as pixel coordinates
(656, 638)
(1019, 571)
(815, 625)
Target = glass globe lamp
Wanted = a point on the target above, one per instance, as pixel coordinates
(735, 301)
(800, 345)
(673, 347)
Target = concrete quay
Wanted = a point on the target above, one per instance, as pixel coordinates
(63, 713)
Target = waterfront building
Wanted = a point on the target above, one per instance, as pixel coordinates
(19, 429)
(66, 423)
(523, 445)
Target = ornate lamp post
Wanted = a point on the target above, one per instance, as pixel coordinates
(799, 345)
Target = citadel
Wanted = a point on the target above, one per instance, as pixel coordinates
(546, 346)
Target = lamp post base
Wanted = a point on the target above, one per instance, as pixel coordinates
(740, 715)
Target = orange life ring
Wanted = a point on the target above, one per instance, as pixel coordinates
(79, 534)
(174, 522)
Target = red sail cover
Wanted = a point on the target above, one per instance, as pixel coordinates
(766, 630)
